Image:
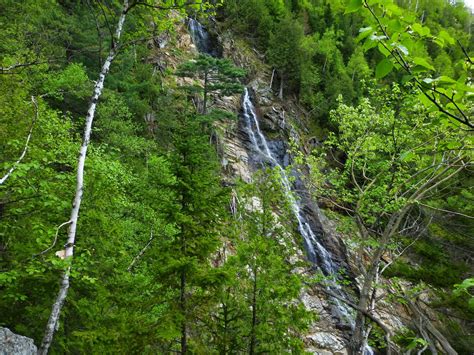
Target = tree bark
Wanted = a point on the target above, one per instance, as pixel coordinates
(53, 320)
(184, 331)
(226, 325)
(30, 133)
(204, 105)
(271, 80)
(426, 324)
(357, 340)
(387, 331)
(254, 314)
(140, 254)
(280, 95)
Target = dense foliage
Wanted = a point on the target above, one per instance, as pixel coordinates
(161, 265)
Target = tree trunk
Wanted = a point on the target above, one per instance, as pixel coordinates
(358, 338)
(254, 314)
(140, 254)
(271, 80)
(356, 345)
(184, 331)
(53, 320)
(204, 104)
(426, 324)
(226, 325)
(182, 289)
(280, 95)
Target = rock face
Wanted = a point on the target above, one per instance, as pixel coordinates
(280, 121)
(14, 344)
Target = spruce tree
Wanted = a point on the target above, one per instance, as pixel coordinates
(184, 259)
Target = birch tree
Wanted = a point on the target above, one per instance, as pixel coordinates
(25, 149)
(53, 320)
(68, 251)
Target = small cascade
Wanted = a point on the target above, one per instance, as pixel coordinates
(201, 38)
(317, 253)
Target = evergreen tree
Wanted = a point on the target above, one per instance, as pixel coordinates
(185, 270)
(219, 78)
(259, 310)
(284, 52)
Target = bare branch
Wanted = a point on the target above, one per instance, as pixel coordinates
(140, 254)
(54, 241)
(30, 133)
(468, 58)
(5, 70)
(447, 211)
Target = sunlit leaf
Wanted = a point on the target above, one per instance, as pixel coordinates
(423, 62)
(384, 67)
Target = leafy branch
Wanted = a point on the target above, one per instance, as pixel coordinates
(443, 94)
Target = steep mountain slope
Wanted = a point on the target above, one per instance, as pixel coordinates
(246, 176)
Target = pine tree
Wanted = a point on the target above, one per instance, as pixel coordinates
(219, 78)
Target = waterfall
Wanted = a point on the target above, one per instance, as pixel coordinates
(201, 38)
(317, 253)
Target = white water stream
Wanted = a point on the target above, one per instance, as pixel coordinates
(317, 253)
(200, 37)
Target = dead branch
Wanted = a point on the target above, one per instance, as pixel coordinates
(140, 254)
(30, 133)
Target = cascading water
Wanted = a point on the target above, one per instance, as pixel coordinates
(317, 253)
(201, 38)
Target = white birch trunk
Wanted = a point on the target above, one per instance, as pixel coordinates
(280, 95)
(30, 133)
(271, 80)
(53, 321)
(140, 254)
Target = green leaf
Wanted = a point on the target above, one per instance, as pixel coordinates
(446, 37)
(407, 156)
(402, 48)
(407, 78)
(423, 62)
(395, 25)
(363, 33)
(369, 44)
(438, 41)
(446, 79)
(384, 67)
(471, 304)
(383, 50)
(353, 6)
(421, 30)
(429, 80)
(393, 9)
